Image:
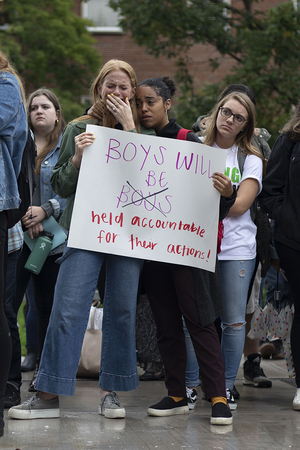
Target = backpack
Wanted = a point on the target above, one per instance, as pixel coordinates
(26, 183)
(261, 220)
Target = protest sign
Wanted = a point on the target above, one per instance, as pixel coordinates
(148, 197)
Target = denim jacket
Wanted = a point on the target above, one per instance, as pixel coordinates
(13, 135)
(47, 193)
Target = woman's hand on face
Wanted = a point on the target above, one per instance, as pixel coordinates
(81, 141)
(222, 184)
(34, 216)
(121, 111)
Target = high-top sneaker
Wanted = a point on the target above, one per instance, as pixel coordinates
(254, 374)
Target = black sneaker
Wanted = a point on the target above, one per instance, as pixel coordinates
(254, 374)
(168, 407)
(221, 414)
(235, 393)
(12, 395)
(191, 395)
(230, 400)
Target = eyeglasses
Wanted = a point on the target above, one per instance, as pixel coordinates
(237, 118)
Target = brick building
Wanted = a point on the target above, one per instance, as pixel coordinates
(113, 43)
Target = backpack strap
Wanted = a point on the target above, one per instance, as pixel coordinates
(241, 156)
(182, 134)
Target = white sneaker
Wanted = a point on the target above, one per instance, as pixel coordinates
(36, 408)
(110, 407)
(296, 401)
(230, 400)
(191, 395)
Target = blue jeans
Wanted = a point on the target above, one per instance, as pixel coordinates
(192, 367)
(282, 286)
(74, 291)
(235, 279)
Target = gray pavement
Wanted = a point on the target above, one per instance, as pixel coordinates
(264, 419)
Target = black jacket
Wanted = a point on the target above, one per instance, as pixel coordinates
(280, 196)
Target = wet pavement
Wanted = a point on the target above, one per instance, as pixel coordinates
(264, 419)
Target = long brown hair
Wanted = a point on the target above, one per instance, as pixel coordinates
(243, 138)
(293, 125)
(99, 110)
(54, 135)
(5, 66)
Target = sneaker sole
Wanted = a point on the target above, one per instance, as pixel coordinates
(34, 414)
(260, 384)
(191, 406)
(221, 420)
(232, 406)
(168, 412)
(296, 407)
(113, 413)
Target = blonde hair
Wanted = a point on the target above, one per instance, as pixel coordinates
(5, 66)
(99, 109)
(293, 125)
(243, 138)
(53, 136)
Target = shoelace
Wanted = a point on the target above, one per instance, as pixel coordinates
(116, 399)
(229, 395)
(112, 398)
(189, 392)
(32, 401)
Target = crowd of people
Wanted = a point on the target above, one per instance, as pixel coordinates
(200, 317)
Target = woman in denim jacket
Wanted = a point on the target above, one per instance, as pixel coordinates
(47, 123)
(13, 134)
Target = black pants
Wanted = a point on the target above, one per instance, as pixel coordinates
(290, 262)
(43, 285)
(15, 366)
(171, 293)
(5, 339)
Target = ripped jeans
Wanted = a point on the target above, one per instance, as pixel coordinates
(235, 279)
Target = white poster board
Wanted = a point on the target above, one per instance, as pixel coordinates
(148, 197)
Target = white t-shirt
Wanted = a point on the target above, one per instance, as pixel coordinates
(239, 241)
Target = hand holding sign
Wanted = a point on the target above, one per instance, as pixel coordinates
(153, 198)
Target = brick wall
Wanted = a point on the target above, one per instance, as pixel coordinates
(122, 47)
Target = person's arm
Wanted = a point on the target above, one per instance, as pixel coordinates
(228, 193)
(271, 196)
(10, 103)
(226, 203)
(65, 173)
(246, 195)
(250, 186)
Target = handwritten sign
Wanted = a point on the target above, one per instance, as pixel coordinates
(148, 197)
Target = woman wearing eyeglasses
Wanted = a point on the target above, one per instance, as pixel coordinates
(231, 128)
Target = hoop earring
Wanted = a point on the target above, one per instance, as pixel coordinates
(56, 122)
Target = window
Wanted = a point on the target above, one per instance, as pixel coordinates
(105, 18)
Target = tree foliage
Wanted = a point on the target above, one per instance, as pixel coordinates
(50, 46)
(264, 47)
